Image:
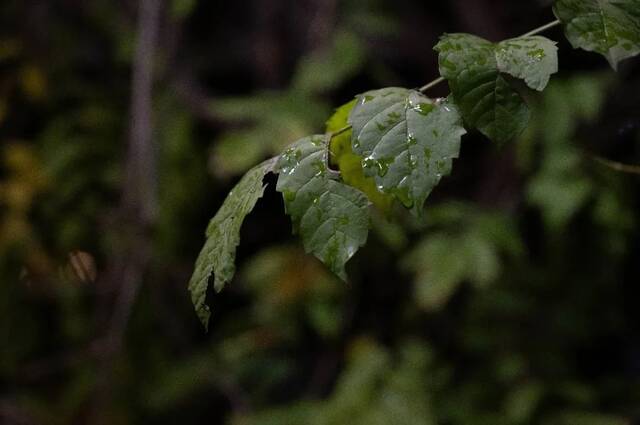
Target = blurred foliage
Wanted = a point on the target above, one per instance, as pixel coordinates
(462, 244)
(509, 303)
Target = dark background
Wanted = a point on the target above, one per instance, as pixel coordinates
(123, 125)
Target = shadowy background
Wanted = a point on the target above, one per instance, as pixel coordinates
(123, 125)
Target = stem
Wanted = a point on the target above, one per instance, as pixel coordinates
(341, 131)
(542, 28)
(617, 166)
(441, 80)
(432, 84)
(530, 33)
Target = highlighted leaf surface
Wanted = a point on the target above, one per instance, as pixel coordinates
(331, 217)
(476, 68)
(407, 141)
(608, 27)
(223, 237)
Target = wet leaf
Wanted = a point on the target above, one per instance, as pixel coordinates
(608, 27)
(407, 140)
(217, 257)
(475, 68)
(532, 59)
(350, 164)
(331, 217)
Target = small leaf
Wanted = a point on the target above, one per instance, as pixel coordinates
(532, 59)
(332, 218)
(407, 141)
(608, 27)
(350, 164)
(223, 237)
(474, 68)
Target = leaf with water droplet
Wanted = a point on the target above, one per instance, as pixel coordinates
(532, 59)
(608, 27)
(418, 133)
(217, 257)
(349, 164)
(474, 68)
(331, 217)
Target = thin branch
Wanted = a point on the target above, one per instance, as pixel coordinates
(538, 30)
(616, 166)
(139, 191)
(441, 80)
(139, 197)
(432, 84)
(341, 131)
(139, 201)
(542, 28)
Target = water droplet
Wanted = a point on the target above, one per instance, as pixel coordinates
(413, 162)
(537, 54)
(383, 166)
(423, 108)
(368, 162)
(403, 194)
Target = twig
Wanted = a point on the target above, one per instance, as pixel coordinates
(139, 195)
(542, 28)
(139, 200)
(616, 166)
(432, 84)
(139, 190)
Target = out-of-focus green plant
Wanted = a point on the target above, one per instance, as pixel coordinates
(535, 323)
(479, 240)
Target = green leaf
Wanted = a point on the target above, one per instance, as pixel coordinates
(608, 27)
(475, 70)
(350, 164)
(532, 59)
(407, 141)
(223, 236)
(332, 218)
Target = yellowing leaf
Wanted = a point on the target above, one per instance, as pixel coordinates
(350, 164)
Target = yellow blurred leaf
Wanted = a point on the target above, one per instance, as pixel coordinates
(4, 108)
(9, 49)
(33, 82)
